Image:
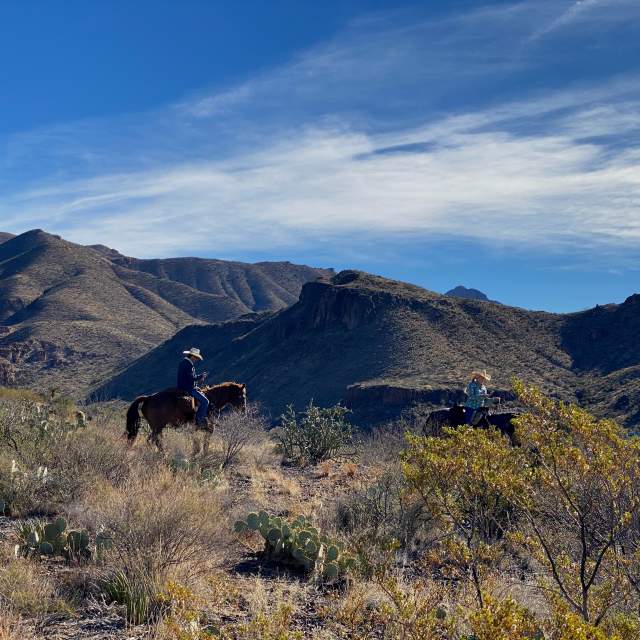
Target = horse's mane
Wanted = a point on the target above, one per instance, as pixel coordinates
(222, 385)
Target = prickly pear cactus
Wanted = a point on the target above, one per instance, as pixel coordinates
(78, 545)
(299, 543)
(53, 539)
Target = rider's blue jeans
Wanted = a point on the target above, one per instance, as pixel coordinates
(203, 406)
(468, 414)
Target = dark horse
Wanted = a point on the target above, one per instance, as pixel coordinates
(176, 408)
(454, 417)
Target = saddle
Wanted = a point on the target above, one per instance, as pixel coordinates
(183, 398)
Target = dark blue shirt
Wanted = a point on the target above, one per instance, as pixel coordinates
(186, 375)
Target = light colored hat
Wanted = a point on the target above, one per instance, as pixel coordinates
(481, 374)
(193, 352)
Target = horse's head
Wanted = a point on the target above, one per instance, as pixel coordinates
(238, 395)
(227, 393)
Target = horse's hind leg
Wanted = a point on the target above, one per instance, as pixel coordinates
(155, 435)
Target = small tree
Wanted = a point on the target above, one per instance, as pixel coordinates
(579, 501)
(469, 479)
(314, 435)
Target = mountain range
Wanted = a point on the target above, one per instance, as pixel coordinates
(382, 347)
(97, 324)
(71, 315)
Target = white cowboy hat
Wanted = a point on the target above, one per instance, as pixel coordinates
(481, 374)
(193, 352)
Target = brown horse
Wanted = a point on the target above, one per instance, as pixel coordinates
(176, 408)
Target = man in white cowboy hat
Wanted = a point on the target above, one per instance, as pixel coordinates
(187, 380)
(477, 394)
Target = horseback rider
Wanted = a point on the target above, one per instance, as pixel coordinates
(187, 380)
(477, 394)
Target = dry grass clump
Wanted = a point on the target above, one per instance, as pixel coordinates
(164, 521)
(270, 487)
(13, 627)
(26, 589)
(14, 394)
(163, 526)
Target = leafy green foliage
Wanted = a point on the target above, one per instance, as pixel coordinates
(315, 434)
(468, 480)
(297, 542)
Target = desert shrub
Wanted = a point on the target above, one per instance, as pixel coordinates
(161, 526)
(314, 435)
(383, 444)
(579, 503)
(382, 511)
(47, 461)
(503, 620)
(267, 625)
(234, 430)
(183, 618)
(469, 481)
(405, 612)
(384, 524)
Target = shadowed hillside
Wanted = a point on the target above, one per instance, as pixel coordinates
(70, 315)
(382, 346)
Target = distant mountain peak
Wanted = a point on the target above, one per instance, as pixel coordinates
(106, 251)
(470, 294)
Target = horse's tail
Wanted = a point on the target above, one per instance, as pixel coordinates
(133, 419)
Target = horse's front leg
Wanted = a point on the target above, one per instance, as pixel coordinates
(206, 440)
(195, 445)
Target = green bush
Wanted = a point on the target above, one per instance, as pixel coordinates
(314, 435)
(48, 459)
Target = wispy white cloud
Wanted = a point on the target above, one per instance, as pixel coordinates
(314, 152)
(596, 13)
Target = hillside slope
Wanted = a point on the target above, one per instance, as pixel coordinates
(71, 315)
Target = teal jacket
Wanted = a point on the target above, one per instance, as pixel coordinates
(476, 395)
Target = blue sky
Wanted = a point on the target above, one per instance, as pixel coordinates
(495, 145)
